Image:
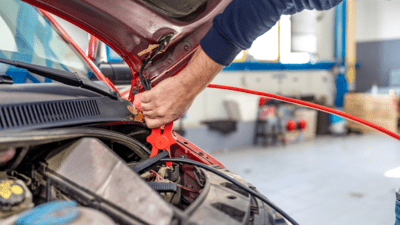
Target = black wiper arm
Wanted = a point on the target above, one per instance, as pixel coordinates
(62, 76)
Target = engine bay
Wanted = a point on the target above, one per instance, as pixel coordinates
(106, 171)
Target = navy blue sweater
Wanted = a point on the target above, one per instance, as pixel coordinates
(244, 20)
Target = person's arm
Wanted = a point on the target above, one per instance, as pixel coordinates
(171, 98)
(233, 31)
(243, 21)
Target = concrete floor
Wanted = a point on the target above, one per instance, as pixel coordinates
(332, 180)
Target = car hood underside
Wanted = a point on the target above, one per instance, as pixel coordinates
(133, 28)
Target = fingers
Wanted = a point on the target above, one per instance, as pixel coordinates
(145, 97)
(155, 122)
(146, 107)
(152, 119)
(150, 114)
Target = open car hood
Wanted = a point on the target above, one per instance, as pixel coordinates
(133, 28)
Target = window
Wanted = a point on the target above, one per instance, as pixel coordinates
(284, 44)
(286, 54)
(7, 42)
(266, 47)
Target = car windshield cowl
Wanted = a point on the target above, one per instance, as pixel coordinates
(62, 76)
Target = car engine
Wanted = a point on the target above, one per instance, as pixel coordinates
(106, 171)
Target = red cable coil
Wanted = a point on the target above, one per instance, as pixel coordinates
(310, 105)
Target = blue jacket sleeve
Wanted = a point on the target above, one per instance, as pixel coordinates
(244, 20)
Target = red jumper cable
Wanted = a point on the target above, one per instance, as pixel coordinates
(309, 105)
(163, 140)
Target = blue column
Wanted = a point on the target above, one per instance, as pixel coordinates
(340, 52)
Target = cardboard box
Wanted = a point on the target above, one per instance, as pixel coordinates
(378, 109)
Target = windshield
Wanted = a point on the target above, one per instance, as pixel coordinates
(27, 36)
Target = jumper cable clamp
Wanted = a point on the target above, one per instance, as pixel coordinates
(159, 139)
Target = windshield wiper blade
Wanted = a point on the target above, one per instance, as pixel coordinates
(62, 76)
(4, 79)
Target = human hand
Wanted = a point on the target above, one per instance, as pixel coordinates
(166, 102)
(171, 98)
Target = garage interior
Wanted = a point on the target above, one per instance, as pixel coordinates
(319, 168)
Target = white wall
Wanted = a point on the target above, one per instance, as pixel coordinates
(326, 35)
(209, 104)
(323, 31)
(377, 20)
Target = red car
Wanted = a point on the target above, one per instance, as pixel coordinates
(72, 150)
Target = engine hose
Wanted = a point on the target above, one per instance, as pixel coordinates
(47, 136)
(309, 105)
(237, 183)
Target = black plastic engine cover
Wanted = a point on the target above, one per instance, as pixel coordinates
(91, 165)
